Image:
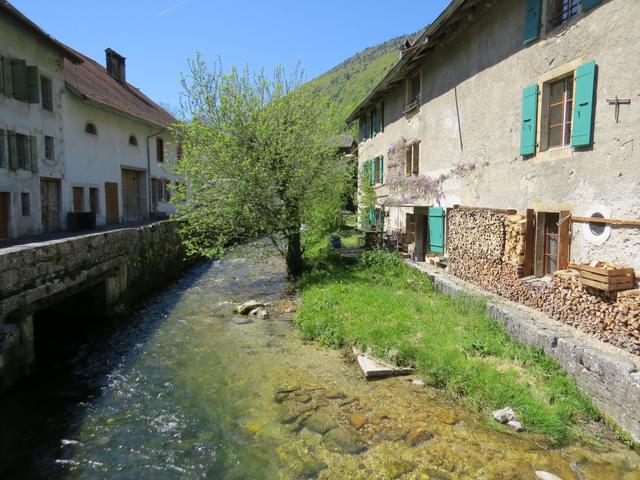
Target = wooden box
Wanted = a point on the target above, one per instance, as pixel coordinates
(608, 280)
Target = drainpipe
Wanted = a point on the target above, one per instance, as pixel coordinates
(149, 193)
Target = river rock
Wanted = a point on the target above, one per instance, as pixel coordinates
(540, 475)
(446, 417)
(417, 436)
(320, 422)
(418, 383)
(334, 395)
(504, 415)
(260, 313)
(394, 434)
(344, 440)
(397, 468)
(515, 425)
(357, 420)
(248, 306)
(290, 411)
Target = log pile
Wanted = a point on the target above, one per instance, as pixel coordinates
(487, 249)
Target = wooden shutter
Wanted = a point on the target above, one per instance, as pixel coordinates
(529, 243)
(582, 125)
(372, 172)
(7, 78)
(33, 85)
(13, 151)
(532, 21)
(19, 77)
(33, 149)
(529, 118)
(564, 240)
(589, 4)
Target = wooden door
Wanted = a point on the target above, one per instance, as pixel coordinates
(4, 215)
(50, 204)
(436, 230)
(112, 209)
(78, 199)
(131, 195)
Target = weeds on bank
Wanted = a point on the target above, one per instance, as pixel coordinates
(380, 304)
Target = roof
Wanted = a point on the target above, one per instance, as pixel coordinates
(14, 13)
(454, 17)
(91, 81)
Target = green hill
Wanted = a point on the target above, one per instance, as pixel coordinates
(348, 83)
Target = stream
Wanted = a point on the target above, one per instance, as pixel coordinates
(182, 387)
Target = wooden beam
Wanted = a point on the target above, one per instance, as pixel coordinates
(609, 221)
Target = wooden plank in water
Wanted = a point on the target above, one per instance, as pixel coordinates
(372, 368)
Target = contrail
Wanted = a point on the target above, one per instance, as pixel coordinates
(171, 9)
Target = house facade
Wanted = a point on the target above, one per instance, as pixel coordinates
(79, 146)
(518, 105)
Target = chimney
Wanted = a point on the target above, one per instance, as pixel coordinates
(116, 66)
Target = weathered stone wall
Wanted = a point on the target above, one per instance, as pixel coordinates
(123, 264)
(496, 267)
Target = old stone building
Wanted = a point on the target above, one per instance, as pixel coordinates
(79, 145)
(528, 105)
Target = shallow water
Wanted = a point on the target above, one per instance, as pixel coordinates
(183, 388)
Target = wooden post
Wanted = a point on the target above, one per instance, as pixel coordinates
(529, 243)
(564, 240)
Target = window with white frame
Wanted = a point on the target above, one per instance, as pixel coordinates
(412, 159)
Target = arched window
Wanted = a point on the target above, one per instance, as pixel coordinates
(90, 128)
(133, 140)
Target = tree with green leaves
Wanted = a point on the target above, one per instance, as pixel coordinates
(259, 159)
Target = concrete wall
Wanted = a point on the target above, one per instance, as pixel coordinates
(486, 67)
(31, 119)
(123, 263)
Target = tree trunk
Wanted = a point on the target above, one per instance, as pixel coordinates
(294, 255)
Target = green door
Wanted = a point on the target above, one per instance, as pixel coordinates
(436, 230)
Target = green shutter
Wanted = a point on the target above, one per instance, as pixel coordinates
(13, 151)
(582, 123)
(7, 79)
(372, 172)
(532, 21)
(33, 149)
(33, 85)
(529, 117)
(372, 217)
(589, 4)
(19, 73)
(381, 168)
(436, 230)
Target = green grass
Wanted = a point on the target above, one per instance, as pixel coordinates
(384, 306)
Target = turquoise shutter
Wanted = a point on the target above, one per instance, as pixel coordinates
(33, 149)
(589, 4)
(436, 230)
(372, 216)
(381, 168)
(529, 117)
(33, 85)
(532, 21)
(372, 172)
(13, 151)
(582, 123)
(19, 73)
(7, 79)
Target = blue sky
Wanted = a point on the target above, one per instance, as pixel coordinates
(158, 36)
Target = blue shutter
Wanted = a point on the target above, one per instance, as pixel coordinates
(529, 117)
(582, 123)
(589, 4)
(372, 172)
(532, 21)
(381, 168)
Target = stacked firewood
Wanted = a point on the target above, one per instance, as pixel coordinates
(496, 266)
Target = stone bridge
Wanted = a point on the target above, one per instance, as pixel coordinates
(106, 269)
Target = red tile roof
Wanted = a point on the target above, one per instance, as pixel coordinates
(92, 82)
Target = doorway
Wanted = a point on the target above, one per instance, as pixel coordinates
(50, 202)
(111, 204)
(132, 201)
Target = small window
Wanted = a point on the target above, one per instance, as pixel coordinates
(94, 204)
(133, 140)
(561, 11)
(412, 159)
(3, 149)
(47, 93)
(413, 94)
(559, 113)
(49, 152)
(25, 203)
(597, 228)
(78, 199)
(159, 149)
(22, 152)
(91, 129)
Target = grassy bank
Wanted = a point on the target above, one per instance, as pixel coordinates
(382, 305)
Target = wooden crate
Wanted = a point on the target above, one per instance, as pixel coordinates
(607, 280)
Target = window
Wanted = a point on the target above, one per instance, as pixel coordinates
(160, 190)
(22, 150)
(412, 159)
(49, 153)
(559, 113)
(561, 11)
(133, 140)
(3, 151)
(91, 129)
(25, 204)
(413, 94)
(552, 242)
(159, 150)
(78, 199)
(47, 94)
(94, 205)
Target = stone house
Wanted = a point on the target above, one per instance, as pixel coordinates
(527, 105)
(78, 144)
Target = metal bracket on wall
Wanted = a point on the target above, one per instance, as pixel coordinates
(617, 102)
